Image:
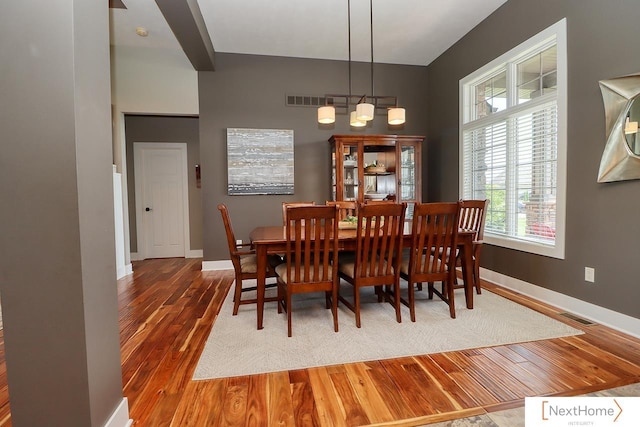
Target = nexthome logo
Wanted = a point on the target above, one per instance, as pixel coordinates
(582, 411)
(550, 410)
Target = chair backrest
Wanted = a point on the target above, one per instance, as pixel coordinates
(346, 208)
(285, 205)
(231, 240)
(312, 244)
(379, 240)
(472, 216)
(434, 239)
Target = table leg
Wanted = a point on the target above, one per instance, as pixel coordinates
(261, 255)
(467, 269)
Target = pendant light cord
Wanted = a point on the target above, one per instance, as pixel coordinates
(371, 17)
(349, 34)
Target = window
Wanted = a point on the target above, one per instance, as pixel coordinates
(513, 143)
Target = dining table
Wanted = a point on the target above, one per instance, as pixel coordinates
(268, 240)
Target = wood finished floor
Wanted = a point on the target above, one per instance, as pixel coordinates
(167, 308)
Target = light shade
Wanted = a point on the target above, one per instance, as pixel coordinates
(364, 111)
(353, 121)
(326, 115)
(395, 116)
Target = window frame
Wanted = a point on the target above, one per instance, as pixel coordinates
(555, 34)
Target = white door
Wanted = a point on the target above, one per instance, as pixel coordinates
(161, 199)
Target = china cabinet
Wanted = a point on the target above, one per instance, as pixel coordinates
(376, 167)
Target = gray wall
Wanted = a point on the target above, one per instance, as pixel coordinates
(602, 219)
(165, 129)
(249, 92)
(58, 273)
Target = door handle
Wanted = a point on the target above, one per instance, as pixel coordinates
(147, 209)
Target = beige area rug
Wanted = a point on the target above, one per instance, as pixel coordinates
(235, 347)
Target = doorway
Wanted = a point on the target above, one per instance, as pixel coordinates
(162, 205)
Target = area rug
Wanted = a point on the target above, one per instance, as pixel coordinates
(235, 347)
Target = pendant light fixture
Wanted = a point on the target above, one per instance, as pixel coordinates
(365, 106)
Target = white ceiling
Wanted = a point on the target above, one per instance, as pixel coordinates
(412, 32)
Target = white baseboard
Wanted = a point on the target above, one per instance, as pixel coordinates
(604, 316)
(217, 265)
(124, 270)
(120, 417)
(194, 253)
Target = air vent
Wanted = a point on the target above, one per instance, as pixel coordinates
(307, 101)
(577, 319)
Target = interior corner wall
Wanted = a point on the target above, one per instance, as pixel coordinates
(248, 91)
(602, 219)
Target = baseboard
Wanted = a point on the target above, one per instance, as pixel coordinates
(120, 417)
(124, 271)
(217, 265)
(194, 253)
(604, 316)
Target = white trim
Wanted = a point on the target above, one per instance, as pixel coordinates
(128, 269)
(604, 316)
(225, 264)
(135, 256)
(121, 271)
(137, 148)
(120, 417)
(193, 253)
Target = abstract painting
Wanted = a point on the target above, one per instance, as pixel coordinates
(259, 161)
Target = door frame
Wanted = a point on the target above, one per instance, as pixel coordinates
(138, 147)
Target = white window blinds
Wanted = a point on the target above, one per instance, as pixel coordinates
(510, 145)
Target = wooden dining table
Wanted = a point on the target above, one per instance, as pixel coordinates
(272, 240)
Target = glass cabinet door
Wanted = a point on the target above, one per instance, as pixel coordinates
(407, 179)
(345, 171)
(350, 178)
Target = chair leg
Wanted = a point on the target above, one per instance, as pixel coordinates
(280, 297)
(289, 310)
(237, 295)
(334, 309)
(430, 286)
(450, 297)
(412, 301)
(396, 293)
(356, 302)
(476, 277)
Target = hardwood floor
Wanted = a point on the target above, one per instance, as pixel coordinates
(167, 308)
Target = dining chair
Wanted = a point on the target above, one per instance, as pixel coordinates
(472, 217)
(245, 264)
(346, 208)
(432, 254)
(285, 205)
(311, 256)
(375, 262)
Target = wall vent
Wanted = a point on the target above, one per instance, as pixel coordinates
(307, 100)
(577, 319)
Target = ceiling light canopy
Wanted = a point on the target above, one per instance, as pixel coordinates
(365, 105)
